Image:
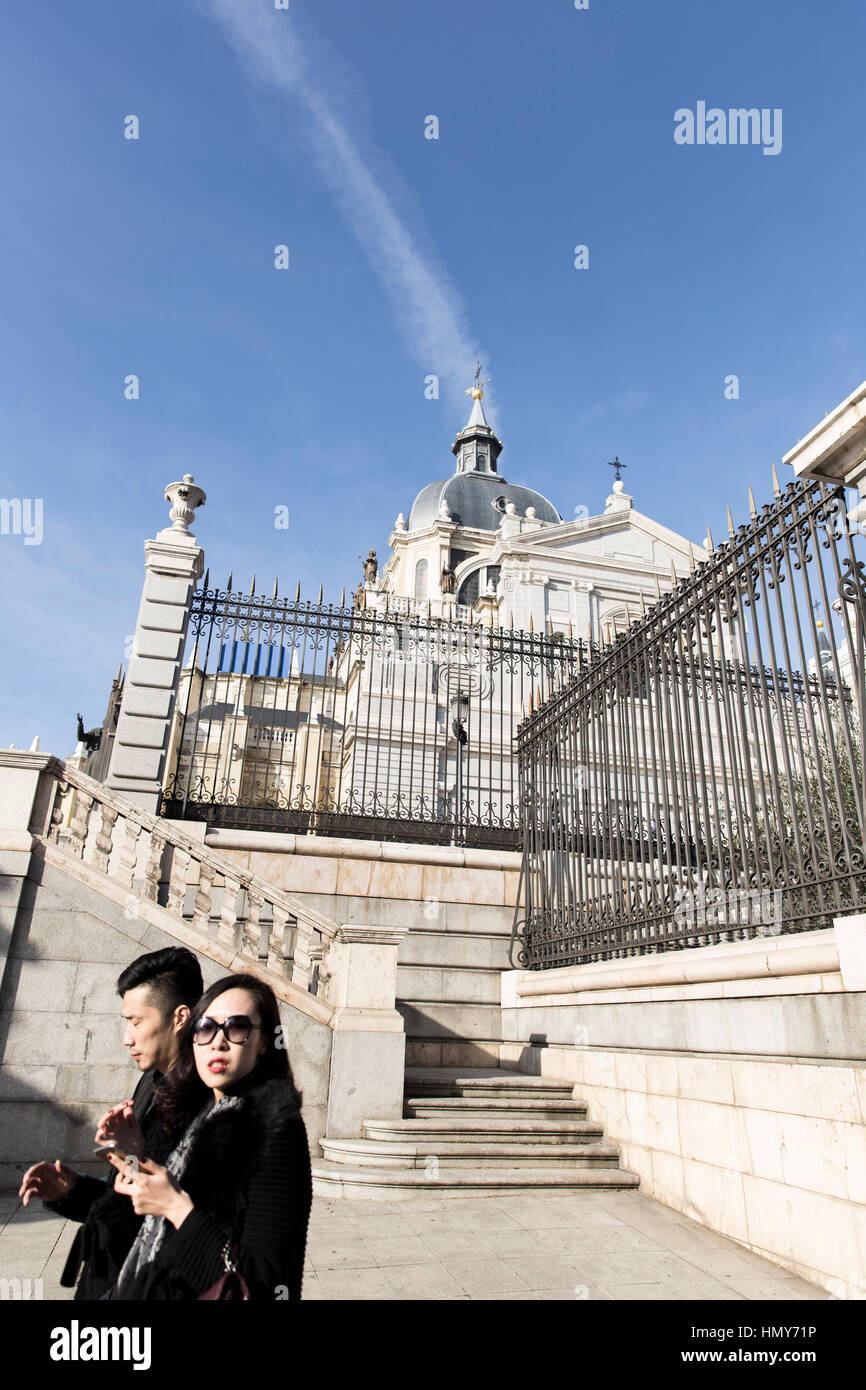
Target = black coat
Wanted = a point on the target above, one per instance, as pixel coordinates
(109, 1222)
(248, 1176)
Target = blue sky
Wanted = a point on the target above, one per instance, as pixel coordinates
(305, 388)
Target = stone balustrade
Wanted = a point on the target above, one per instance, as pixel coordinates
(207, 891)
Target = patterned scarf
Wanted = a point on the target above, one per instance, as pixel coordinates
(154, 1229)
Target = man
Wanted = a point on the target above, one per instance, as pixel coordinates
(158, 991)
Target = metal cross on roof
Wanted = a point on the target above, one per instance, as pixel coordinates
(478, 385)
(619, 467)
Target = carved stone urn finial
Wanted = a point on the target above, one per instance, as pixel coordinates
(184, 497)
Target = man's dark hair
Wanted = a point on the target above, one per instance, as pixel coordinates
(172, 976)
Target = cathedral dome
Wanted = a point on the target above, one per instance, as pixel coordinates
(477, 500)
(476, 495)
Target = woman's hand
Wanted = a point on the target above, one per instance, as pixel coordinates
(152, 1190)
(120, 1126)
(50, 1181)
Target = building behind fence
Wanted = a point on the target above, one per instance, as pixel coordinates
(384, 724)
(393, 716)
(702, 779)
(711, 746)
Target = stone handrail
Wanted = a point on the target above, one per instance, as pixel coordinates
(156, 860)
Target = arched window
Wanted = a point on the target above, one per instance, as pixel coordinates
(469, 589)
(421, 579)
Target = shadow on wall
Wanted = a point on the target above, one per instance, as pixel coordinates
(62, 1063)
(61, 1060)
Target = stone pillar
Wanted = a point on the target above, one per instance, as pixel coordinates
(368, 1048)
(850, 933)
(173, 564)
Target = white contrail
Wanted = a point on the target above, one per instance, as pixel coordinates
(428, 309)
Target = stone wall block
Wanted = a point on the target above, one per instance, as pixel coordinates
(164, 646)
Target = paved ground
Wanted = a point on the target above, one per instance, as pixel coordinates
(591, 1245)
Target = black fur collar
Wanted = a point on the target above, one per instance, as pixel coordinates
(225, 1151)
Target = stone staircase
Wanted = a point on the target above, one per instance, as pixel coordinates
(475, 1131)
(449, 986)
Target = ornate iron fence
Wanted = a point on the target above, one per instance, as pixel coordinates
(380, 723)
(703, 779)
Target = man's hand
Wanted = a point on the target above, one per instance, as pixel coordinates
(120, 1126)
(50, 1181)
(152, 1190)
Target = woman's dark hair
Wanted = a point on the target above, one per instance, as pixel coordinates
(182, 1092)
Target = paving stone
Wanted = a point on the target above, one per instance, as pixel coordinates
(535, 1215)
(508, 1243)
(493, 1295)
(311, 1289)
(482, 1278)
(570, 1240)
(386, 1224)
(636, 1267)
(547, 1272)
(339, 1254)
(338, 1229)
(622, 1239)
(399, 1250)
(451, 1244)
(650, 1293)
(430, 1280)
(349, 1284)
(586, 1295)
(775, 1289)
(55, 1293)
(444, 1220)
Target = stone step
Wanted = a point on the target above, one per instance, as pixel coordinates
(453, 1022)
(437, 1107)
(493, 1128)
(430, 1053)
(333, 1180)
(442, 949)
(447, 984)
(482, 1153)
(446, 1082)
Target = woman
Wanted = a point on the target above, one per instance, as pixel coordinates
(237, 1188)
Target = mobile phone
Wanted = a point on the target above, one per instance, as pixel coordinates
(105, 1149)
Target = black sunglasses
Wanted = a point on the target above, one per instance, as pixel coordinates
(236, 1029)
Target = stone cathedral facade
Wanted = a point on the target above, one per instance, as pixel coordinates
(406, 709)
